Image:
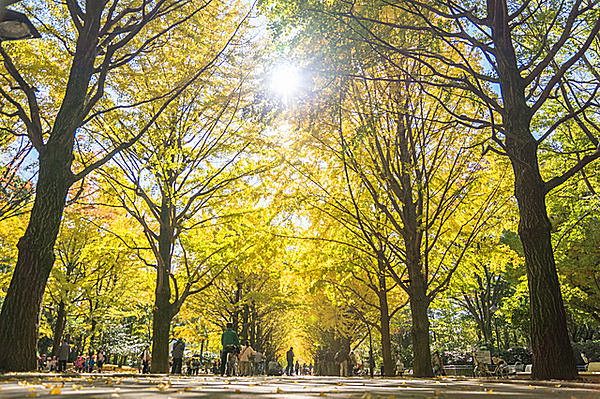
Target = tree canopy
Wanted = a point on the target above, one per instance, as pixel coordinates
(385, 177)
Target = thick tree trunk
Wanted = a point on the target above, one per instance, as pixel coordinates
(163, 309)
(550, 344)
(21, 307)
(161, 327)
(420, 333)
(59, 327)
(552, 353)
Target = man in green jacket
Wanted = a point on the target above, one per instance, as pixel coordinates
(231, 344)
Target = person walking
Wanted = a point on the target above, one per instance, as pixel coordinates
(246, 359)
(259, 363)
(100, 359)
(146, 356)
(289, 370)
(438, 364)
(177, 353)
(63, 355)
(342, 358)
(351, 363)
(231, 344)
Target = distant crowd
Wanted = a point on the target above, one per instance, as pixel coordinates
(236, 359)
(93, 362)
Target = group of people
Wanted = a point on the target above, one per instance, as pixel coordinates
(296, 368)
(343, 362)
(251, 362)
(90, 363)
(82, 364)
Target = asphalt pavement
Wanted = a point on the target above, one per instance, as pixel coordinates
(136, 386)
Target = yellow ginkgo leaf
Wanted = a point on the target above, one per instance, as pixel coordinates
(55, 391)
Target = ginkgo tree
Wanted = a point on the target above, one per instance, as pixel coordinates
(51, 90)
(97, 281)
(516, 60)
(174, 181)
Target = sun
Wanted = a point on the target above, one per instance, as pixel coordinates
(285, 80)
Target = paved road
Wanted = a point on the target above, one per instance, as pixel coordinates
(105, 386)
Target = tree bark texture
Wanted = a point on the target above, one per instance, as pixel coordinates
(59, 327)
(552, 353)
(386, 345)
(19, 322)
(419, 303)
(161, 327)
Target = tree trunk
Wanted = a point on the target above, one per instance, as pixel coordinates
(19, 316)
(371, 359)
(420, 333)
(245, 323)
(552, 352)
(164, 310)
(253, 325)
(161, 327)
(21, 307)
(386, 344)
(59, 327)
(550, 344)
(236, 307)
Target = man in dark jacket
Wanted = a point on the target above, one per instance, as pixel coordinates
(289, 370)
(231, 344)
(63, 355)
(178, 349)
